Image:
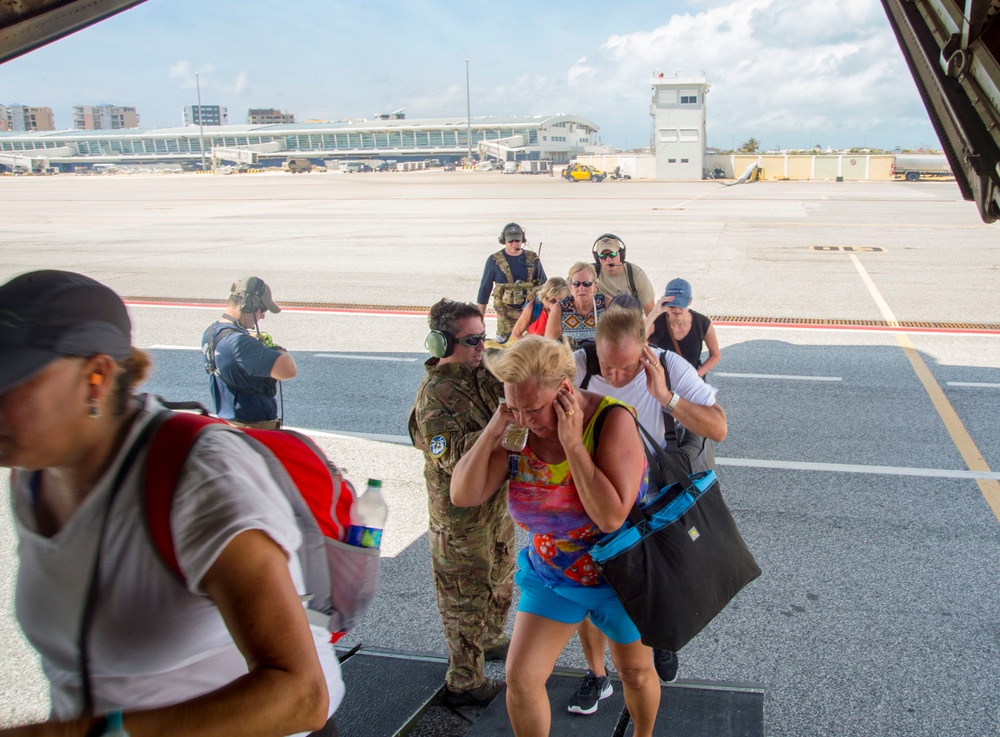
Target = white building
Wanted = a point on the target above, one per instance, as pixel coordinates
(678, 110)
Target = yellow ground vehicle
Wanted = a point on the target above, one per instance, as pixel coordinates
(584, 173)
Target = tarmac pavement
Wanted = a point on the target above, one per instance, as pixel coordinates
(875, 611)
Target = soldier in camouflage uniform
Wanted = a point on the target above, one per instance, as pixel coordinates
(509, 275)
(472, 549)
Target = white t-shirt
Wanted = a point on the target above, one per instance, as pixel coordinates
(152, 642)
(683, 379)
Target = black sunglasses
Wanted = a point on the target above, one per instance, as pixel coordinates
(582, 283)
(471, 341)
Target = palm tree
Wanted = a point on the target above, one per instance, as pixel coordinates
(750, 146)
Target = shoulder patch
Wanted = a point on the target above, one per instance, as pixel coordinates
(438, 446)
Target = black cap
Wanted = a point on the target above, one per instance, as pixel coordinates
(48, 314)
(514, 231)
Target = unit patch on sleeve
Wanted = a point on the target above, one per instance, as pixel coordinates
(438, 446)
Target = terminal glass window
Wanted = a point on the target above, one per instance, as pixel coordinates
(448, 138)
(354, 140)
(381, 140)
(329, 141)
(533, 137)
(689, 98)
(342, 140)
(407, 139)
(395, 139)
(436, 138)
(422, 138)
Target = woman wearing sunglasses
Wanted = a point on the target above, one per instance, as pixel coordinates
(575, 317)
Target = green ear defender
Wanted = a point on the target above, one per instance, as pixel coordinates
(439, 343)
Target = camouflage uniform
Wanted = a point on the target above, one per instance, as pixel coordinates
(472, 548)
(509, 298)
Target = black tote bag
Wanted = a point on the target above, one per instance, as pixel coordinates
(678, 561)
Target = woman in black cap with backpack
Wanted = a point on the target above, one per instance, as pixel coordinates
(125, 646)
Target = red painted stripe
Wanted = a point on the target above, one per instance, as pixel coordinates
(725, 323)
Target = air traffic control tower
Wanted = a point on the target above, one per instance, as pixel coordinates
(678, 110)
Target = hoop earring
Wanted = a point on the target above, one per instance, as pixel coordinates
(94, 412)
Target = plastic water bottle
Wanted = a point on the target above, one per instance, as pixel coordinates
(114, 727)
(368, 517)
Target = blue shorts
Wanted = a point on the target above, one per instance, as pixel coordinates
(572, 604)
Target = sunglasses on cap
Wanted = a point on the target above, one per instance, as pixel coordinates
(471, 341)
(582, 283)
(607, 255)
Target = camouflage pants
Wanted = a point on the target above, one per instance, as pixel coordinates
(472, 559)
(506, 317)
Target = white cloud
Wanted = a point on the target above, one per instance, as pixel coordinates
(185, 72)
(238, 86)
(780, 70)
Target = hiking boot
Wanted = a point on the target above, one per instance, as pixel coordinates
(497, 652)
(665, 663)
(593, 689)
(481, 695)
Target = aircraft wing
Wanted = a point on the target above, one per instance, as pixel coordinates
(27, 24)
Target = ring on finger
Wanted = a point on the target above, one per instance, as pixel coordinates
(570, 411)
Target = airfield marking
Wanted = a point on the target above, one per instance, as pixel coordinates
(973, 383)
(989, 487)
(941, 473)
(777, 376)
(365, 358)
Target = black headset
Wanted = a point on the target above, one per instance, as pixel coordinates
(253, 296)
(524, 234)
(621, 249)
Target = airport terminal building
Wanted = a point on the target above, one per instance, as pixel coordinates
(558, 138)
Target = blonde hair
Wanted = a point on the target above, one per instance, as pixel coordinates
(582, 266)
(619, 323)
(555, 287)
(533, 358)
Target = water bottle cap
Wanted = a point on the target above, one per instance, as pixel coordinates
(375, 482)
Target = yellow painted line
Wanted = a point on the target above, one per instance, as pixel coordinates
(959, 435)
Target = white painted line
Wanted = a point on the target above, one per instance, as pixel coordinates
(942, 473)
(777, 376)
(394, 439)
(365, 358)
(175, 348)
(973, 383)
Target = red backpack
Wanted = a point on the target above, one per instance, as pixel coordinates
(341, 579)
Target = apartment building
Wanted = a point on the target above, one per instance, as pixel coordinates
(268, 116)
(205, 115)
(104, 117)
(27, 118)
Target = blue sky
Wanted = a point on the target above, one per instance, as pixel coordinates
(791, 73)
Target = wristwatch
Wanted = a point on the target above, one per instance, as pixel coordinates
(669, 406)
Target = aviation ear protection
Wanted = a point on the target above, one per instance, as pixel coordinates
(440, 344)
(621, 248)
(253, 297)
(524, 235)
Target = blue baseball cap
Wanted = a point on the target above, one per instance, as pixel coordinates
(680, 290)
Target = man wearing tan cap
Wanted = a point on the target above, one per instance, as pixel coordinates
(244, 368)
(616, 276)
